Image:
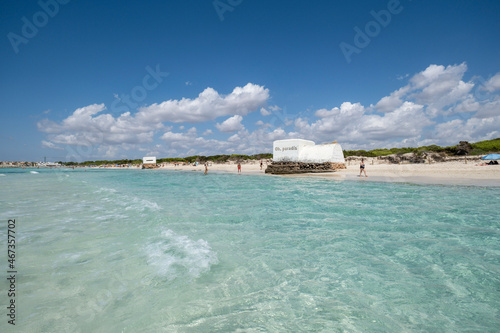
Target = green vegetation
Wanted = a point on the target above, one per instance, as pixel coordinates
(226, 158)
(189, 159)
(486, 147)
(478, 148)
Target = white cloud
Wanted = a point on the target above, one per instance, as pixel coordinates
(264, 112)
(85, 127)
(493, 84)
(208, 105)
(393, 101)
(352, 124)
(436, 106)
(332, 122)
(91, 127)
(407, 121)
(473, 129)
(231, 124)
(176, 137)
(438, 88)
(51, 145)
(208, 132)
(467, 105)
(490, 108)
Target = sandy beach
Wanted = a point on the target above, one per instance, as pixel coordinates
(448, 173)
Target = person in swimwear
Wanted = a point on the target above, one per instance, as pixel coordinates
(362, 168)
(239, 167)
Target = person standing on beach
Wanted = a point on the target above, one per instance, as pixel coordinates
(362, 167)
(239, 167)
(261, 164)
(206, 168)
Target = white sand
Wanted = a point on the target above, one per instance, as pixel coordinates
(246, 168)
(457, 173)
(449, 173)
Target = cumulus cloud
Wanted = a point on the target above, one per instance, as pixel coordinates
(209, 105)
(190, 143)
(352, 124)
(264, 112)
(407, 121)
(473, 129)
(331, 123)
(51, 145)
(438, 88)
(231, 124)
(434, 106)
(92, 126)
(393, 101)
(208, 132)
(493, 84)
(85, 127)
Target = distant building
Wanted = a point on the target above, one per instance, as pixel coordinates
(149, 160)
(306, 151)
(149, 163)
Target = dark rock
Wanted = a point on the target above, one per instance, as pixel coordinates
(282, 168)
(150, 166)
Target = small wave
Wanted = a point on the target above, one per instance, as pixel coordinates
(125, 200)
(141, 204)
(34, 172)
(105, 189)
(176, 255)
(2, 175)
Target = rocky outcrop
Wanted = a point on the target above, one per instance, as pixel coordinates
(150, 166)
(282, 168)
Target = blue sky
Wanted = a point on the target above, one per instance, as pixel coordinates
(106, 80)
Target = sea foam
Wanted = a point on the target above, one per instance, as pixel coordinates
(175, 256)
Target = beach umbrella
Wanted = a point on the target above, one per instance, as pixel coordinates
(491, 157)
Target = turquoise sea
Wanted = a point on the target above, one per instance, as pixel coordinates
(177, 251)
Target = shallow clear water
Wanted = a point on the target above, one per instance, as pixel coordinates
(171, 251)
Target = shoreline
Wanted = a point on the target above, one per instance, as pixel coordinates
(440, 173)
(443, 173)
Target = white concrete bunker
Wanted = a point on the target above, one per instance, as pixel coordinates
(306, 151)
